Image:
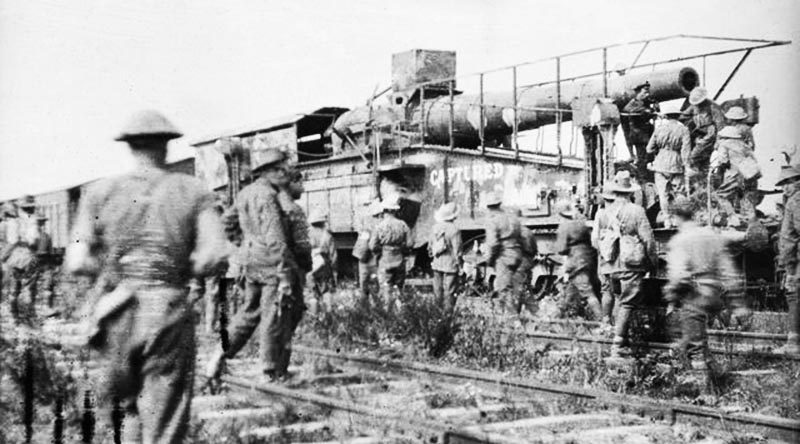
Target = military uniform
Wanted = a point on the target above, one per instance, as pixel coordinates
(323, 258)
(503, 253)
(640, 129)
(388, 243)
(573, 239)
(672, 142)
(789, 259)
(22, 263)
(522, 277)
(155, 229)
(704, 119)
(444, 247)
(367, 262)
(740, 178)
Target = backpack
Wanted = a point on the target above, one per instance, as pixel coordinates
(440, 245)
(609, 240)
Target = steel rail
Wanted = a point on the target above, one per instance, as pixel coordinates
(782, 427)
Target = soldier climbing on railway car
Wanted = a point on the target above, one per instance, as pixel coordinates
(789, 254)
(367, 261)
(699, 269)
(671, 142)
(322, 276)
(740, 173)
(503, 250)
(638, 127)
(389, 243)
(737, 118)
(21, 262)
(444, 246)
(142, 235)
(573, 239)
(270, 269)
(704, 119)
(627, 251)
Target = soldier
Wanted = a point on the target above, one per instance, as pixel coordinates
(503, 250)
(21, 263)
(789, 255)
(444, 247)
(640, 126)
(44, 259)
(672, 142)
(323, 256)
(270, 270)
(389, 244)
(741, 171)
(704, 119)
(573, 239)
(522, 277)
(154, 230)
(367, 263)
(604, 269)
(699, 269)
(736, 116)
(627, 251)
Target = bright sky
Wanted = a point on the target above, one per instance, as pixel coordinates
(72, 71)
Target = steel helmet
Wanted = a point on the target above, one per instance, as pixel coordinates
(148, 123)
(736, 113)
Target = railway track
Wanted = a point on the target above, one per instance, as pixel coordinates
(361, 398)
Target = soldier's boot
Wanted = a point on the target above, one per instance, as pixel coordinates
(792, 346)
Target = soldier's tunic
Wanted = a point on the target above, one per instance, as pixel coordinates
(445, 263)
(639, 130)
(271, 275)
(672, 142)
(323, 258)
(619, 279)
(739, 180)
(746, 131)
(573, 239)
(698, 270)
(704, 122)
(503, 253)
(367, 261)
(146, 233)
(389, 242)
(789, 256)
(522, 277)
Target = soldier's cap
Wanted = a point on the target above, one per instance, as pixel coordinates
(698, 95)
(736, 113)
(28, 202)
(447, 212)
(683, 206)
(317, 216)
(729, 132)
(148, 123)
(789, 173)
(269, 157)
(622, 183)
(492, 199)
(9, 209)
(641, 86)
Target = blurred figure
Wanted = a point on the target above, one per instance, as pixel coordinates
(604, 267)
(503, 250)
(639, 127)
(672, 144)
(573, 239)
(704, 119)
(323, 256)
(523, 275)
(699, 270)
(627, 251)
(143, 235)
(389, 243)
(44, 259)
(22, 266)
(444, 246)
(789, 254)
(367, 261)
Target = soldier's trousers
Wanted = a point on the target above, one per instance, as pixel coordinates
(581, 285)
(444, 290)
(367, 281)
(391, 280)
(666, 186)
(277, 312)
(622, 288)
(150, 352)
(504, 285)
(793, 300)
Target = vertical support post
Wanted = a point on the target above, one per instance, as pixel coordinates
(558, 108)
(481, 128)
(516, 115)
(704, 72)
(605, 72)
(451, 122)
(422, 115)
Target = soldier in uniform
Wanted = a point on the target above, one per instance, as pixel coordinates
(704, 119)
(672, 143)
(573, 239)
(503, 250)
(627, 251)
(737, 116)
(444, 247)
(323, 256)
(741, 172)
(22, 261)
(522, 277)
(389, 243)
(367, 263)
(639, 126)
(699, 269)
(143, 235)
(789, 255)
(270, 269)
(604, 268)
